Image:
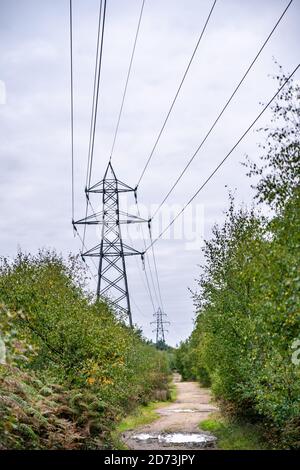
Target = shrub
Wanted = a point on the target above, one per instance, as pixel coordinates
(75, 368)
(248, 305)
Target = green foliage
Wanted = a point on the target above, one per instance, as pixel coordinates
(234, 435)
(279, 174)
(74, 368)
(189, 364)
(28, 418)
(144, 414)
(248, 302)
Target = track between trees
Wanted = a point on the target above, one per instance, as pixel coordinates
(177, 425)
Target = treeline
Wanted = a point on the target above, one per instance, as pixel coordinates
(248, 301)
(69, 369)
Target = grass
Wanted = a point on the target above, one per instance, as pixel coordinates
(233, 435)
(144, 414)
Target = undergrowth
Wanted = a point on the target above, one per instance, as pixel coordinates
(70, 368)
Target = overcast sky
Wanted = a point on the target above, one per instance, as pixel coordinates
(35, 175)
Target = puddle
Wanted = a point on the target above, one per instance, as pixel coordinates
(180, 438)
(177, 438)
(144, 437)
(184, 410)
(179, 410)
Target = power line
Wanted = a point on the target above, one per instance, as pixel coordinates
(72, 105)
(94, 93)
(177, 93)
(148, 287)
(223, 110)
(145, 284)
(88, 267)
(158, 296)
(97, 76)
(127, 80)
(137, 307)
(156, 274)
(97, 91)
(72, 127)
(80, 238)
(151, 277)
(225, 158)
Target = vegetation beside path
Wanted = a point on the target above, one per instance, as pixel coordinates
(70, 370)
(234, 434)
(247, 331)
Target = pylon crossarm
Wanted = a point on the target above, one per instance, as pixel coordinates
(92, 251)
(91, 219)
(124, 186)
(130, 250)
(109, 185)
(131, 219)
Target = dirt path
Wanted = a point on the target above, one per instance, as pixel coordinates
(177, 426)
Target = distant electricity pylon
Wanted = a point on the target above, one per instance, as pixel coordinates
(111, 251)
(160, 331)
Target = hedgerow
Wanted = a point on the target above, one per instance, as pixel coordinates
(72, 368)
(248, 303)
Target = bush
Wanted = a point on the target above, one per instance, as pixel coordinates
(58, 338)
(248, 306)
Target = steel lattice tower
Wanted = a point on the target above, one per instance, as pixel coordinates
(111, 251)
(160, 331)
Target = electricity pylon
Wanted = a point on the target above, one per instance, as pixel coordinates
(111, 251)
(160, 331)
